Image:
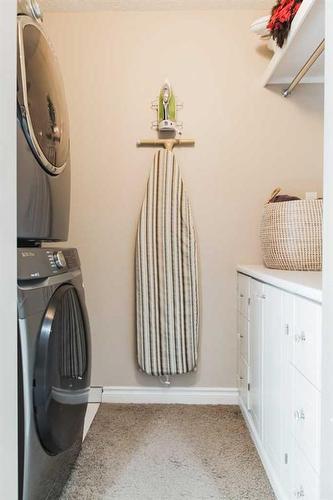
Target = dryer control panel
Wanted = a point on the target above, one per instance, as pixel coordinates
(37, 263)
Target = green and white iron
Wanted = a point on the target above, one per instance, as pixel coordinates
(167, 107)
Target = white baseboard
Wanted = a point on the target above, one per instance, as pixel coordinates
(95, 394)
(92, 409)
(175, 395)
(95, 399)
(280, 495)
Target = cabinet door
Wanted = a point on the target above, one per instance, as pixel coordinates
(243, 293)
(288, 326)
(304, 480)
(243, 383)
(307, 339)
(243, 327)
(274, 364)
(306, 416)
(255, 331)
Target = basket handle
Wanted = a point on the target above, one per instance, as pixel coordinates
(274, 194)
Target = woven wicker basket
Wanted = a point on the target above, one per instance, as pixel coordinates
(291, 235)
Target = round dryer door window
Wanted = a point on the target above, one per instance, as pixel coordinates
(62, 372)
(41, 97)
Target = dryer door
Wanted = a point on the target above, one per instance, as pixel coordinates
(41, 98)
(62, 371)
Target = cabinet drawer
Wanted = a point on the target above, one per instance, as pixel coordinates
(243, 382)
(307, 339)
(243, 291)
(243, 329)
(306, 416)
(305, 481)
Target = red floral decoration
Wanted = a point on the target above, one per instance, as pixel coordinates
(282, 16)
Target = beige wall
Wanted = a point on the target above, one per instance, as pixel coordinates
(248, 141)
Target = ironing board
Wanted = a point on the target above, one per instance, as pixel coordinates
(167, 303)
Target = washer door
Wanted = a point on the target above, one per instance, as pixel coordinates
(62, 371)
(41, 98)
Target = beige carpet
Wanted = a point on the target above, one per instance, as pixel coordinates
(168, 452)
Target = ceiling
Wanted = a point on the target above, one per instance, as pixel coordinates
(100, 5)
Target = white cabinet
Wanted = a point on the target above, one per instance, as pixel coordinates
(255, 367)
(243, 329)
(307, 340)
(306, 414)
(304, 481)
(243, 294)
(274, 365)
(243, 383)
(279, 335)
(243, 299)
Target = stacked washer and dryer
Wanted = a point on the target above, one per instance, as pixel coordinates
(53, 328)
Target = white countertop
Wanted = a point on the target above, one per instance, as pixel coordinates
(305, 283)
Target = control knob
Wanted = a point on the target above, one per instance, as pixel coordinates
(59, 259)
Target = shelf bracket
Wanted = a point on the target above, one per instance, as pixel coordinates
(309, 63)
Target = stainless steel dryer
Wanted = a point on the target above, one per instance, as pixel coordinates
(54, 368)
(43, 148)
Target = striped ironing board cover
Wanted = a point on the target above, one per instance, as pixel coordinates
(167, 304)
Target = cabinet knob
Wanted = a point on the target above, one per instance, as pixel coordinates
(262, 297)
(241, 295)
(300, 337)
(299, 414)
(299, 493)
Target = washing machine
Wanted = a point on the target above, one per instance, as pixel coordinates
(43, 145)
(54, 368)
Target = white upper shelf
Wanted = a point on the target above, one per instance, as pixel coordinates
(306, 33)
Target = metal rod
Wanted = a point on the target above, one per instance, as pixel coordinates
(166, 143)
(309, 63)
